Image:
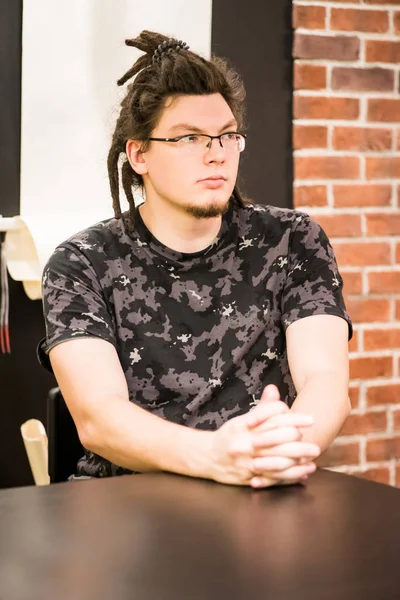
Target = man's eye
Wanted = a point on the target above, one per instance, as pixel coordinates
(230, 136)
(191, 139)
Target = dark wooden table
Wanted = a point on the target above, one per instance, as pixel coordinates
(166, 537)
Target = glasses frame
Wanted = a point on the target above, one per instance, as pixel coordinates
(211, 138)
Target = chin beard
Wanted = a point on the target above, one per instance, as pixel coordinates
(207, 212)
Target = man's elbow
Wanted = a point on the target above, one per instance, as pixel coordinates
(346, 407)
(89, 435)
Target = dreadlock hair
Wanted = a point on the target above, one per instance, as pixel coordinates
(166, 69)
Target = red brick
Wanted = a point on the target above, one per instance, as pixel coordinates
(309, 77)
(320, 107)
(384, 283)
(354, 395)
(362, 195)
(383, 224)
(381, 2)
(383, 449)
(368, 310)
(374, 21)
(367, 423)
(340, 454)
(362, 138)
(362, 79)
(379, 475)
(383, 394)
(397, 22)
(397, 482)
(383, 167)
(352, 283)
(381, 339)
(398, 310)
(308, 17)
(332, 47)
(326, 167)
(341, 1)
(362, 254)
(398, 253)
(354, 342)
(310, 136)
(371, 367)
(309, 195)
(340, 225)
(382, 51)
(384, 110)
(396, 419)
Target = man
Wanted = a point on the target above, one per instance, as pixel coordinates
(198, 334)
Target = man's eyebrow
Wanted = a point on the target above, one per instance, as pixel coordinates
(192, 128)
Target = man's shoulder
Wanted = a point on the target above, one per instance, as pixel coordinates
(108, 238)
(267, 216)
(99, 234)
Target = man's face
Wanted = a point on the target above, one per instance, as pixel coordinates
(180, 176)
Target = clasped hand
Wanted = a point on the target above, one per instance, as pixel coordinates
(264, 447)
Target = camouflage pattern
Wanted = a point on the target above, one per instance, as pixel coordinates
(198, 335)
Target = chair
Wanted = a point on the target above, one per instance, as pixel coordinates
(65, 448)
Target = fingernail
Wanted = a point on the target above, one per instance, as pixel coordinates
(256, 482)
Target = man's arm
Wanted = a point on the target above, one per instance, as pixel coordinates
(94, 387)
(317, 349)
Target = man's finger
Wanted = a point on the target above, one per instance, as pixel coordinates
(272, 463)
(264, 411)
(275, 437)
(291, 476)
(297, 472)
(287, 419)
(297, 450)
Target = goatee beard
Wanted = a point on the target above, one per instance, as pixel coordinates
(207, 212)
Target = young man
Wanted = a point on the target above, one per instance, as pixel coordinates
(199, 333)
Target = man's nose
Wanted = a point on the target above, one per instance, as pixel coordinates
(215, 151)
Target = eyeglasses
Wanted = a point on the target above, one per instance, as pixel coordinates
(199, 143)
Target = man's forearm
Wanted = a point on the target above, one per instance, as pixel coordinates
(133, 438)
(325, 397)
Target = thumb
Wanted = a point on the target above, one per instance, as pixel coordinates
(268, 406)
(270, 394)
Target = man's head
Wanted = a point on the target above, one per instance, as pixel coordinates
(175, 93)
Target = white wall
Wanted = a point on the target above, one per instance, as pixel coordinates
(73, 54)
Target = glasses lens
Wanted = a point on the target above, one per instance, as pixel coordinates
(233, 142)
(198, 143)
(193, 143)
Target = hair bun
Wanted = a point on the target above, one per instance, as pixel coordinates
(168, 47)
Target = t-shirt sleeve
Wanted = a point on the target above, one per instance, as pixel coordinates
(313, 285)
(73, 302)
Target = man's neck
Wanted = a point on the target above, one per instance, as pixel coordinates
(178, 230)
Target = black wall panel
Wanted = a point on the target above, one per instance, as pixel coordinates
(10, 104)
(256, 37)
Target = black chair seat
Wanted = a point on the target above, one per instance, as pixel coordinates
(65, 448)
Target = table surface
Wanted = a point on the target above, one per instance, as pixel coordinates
(166, 537)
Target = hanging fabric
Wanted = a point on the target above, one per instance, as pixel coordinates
(4, 301)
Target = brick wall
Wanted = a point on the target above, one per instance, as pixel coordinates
(346, 140)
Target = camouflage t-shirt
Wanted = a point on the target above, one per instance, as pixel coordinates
(198, 335)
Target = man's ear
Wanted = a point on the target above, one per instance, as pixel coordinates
(136, 157)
